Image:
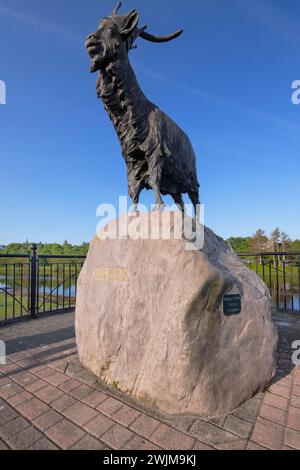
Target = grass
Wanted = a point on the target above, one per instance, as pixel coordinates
(269, 275)
(11, 307)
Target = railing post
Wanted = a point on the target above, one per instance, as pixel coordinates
(33, 286)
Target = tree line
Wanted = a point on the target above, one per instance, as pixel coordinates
(47, 248)
(258, 242)
(276, 241)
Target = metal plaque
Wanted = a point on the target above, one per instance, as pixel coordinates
(232, 304)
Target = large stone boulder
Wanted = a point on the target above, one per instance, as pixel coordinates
(150, 321)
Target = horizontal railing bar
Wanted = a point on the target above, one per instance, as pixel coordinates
(15, 256)
(271, 253)
(62, 256)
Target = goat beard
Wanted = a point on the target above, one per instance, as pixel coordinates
(107, 55)
(96, 64)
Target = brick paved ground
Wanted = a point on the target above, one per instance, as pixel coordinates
(48, 402)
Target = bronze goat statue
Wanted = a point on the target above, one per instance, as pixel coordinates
(158, 154)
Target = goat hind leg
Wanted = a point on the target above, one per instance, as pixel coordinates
(194, 197)
(179, 201)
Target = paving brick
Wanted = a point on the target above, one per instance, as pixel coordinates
(297, 380)
(284, 447)
(241, 444)
(88, 443)
(43, 444)
(13, 427)
(238, 426)
(99, 425)
(296, 390)
(4, 380)
(24, 439)
(110, 406)
(69, 385)
(292, 438)
(28, 363)
(277, 401)
(253, 446)
(46, 420)
(49, 394)
(57, 378)
(34, 386)
(126, 415)
(200, 446)
(117, 436)
(273, 414)
(268, 434)
(59, 365)
(295, 401)
(44, 372)
(294, 418)
(145, 425)
(171, 439)
(9, 390)
(138, 443)
(25, 378)
(210, 434)
(32, 408)
(80, 413)
(16, 400)
(3, 446)
(248, 411)
(65, 434)
(81, 391)
(63, 403)
(285, 382)
(279, 390)
(94, 398)
(11, 369)
(6, 413)
(218, 420)
(18, 356)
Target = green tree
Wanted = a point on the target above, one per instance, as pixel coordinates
(259, 240)
(295, 245)
(240, 244)
(285, 241)
(275, 239)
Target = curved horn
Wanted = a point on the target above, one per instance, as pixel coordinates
(152, 38)
(117, 8)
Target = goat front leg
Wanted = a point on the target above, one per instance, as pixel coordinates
(155, 180)
(135, 203)
(159, 203)
(134, 191)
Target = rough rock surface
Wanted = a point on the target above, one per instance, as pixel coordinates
(150, 321)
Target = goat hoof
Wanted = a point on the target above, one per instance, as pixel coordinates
(159, 208)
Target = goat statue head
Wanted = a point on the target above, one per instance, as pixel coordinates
(116, 35)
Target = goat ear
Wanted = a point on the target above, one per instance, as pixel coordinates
(130, 24)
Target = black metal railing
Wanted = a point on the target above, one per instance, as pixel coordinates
(31, 284)
(281, 272)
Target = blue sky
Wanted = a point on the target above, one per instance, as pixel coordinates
(226, 81)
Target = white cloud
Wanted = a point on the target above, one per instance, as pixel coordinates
(39, 23)
(272, 16)
(263, 115)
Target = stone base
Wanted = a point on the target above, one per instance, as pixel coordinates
(150, 321)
